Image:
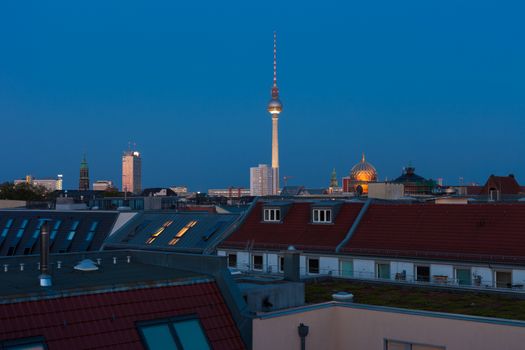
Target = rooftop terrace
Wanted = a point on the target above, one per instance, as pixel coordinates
(428, 299)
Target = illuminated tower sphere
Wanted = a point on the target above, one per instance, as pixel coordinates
(275, 107)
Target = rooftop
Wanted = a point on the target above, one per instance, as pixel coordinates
(414, 297)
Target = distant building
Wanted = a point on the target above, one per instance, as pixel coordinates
(132, 172)
(59, 183)
(360, 176)
(83, 184)
(415, 184)
(180, 190)
(102, 185)
(261, 180)
(50, 185)
(231, 192)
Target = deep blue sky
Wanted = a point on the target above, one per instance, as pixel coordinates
(438, 83)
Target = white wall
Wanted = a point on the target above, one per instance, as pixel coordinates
(400, 266)
(272, 263)
(364, 268)
(302, 264)
(485, 273)
(243, 260)
(221, 253)
(518, 276)
(442, 270)
(329, 265)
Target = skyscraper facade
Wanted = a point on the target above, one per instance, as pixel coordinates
(261, 180)
(275, 107)
(132, 172)
(83, 183)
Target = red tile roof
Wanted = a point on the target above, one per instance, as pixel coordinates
(296, 229)
(488, 232)
(504, 184)
(107, 320)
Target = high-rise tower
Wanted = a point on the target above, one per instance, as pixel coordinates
(275, 107)
(83, 183)
(132, 172)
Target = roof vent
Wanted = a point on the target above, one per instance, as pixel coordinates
(86, 265)
(343, 296)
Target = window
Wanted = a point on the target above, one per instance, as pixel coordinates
(463, 276)
(7, 227)
(36, 343)
(383, 270)
(347, 268)
(55, 230)
(272, 215)
(399, 345)
(423, 273)
(322, 216)
(503, 279)
(257, 262)
(281, 263)
(186, 333)
(313, 265)
(159, 231)
(182, 232)
(232, 259)
(22, 228)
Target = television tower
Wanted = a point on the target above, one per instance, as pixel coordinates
(275, 107)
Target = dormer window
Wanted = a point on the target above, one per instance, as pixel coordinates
(272, 214)
(322, 216)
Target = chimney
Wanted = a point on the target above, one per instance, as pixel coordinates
(292, 264)
(45, 278)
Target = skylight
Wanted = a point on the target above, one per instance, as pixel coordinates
(182, 232)
(157, 233)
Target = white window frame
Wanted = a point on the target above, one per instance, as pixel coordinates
(253, 262)
(322, 216)
(272, 215)
(308, 265)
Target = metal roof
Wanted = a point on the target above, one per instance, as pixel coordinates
(176, 231)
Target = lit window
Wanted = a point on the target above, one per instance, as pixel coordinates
(272, 215)
(55, 229)
(38, 227)
(159, 231)
(7, 227)
(323, 216)
(232, 260)
(313, 265)
(182, 232)
(174, 334)
(257, 261)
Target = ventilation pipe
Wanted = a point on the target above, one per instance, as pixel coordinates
(45, 278)
(303, 333)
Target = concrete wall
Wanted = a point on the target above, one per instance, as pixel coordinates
(8, 204)
(360, 327)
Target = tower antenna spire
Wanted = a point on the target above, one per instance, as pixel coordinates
(275, 59)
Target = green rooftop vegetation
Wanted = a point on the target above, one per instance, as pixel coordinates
(414, 297)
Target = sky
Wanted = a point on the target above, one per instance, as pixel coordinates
(440, 84)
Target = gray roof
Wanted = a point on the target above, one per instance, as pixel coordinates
(197, 231)
(70, 231)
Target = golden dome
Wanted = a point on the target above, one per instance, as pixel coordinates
(363, 171)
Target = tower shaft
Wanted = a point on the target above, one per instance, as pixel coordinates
(275, 154)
